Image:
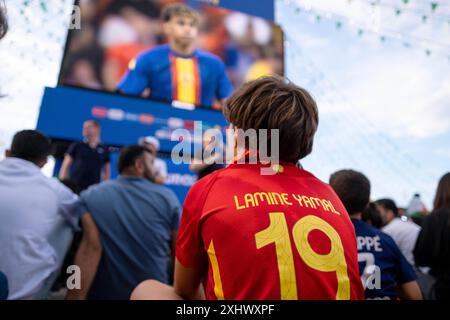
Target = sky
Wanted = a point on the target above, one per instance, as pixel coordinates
(384, 104)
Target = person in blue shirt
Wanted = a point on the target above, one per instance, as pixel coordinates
(385, 272)
(178, 71)
(129, 231)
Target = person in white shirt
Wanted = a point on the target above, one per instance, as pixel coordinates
(403, 232)
(37, 218)
(159, 166)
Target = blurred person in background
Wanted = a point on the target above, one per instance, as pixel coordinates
(403, 232)
(178, 71)
(159, 166)
(405, 235)
(257, 53)
(130, 28)
(416, 209)
(130, 226)
(82, 72)
(88, 162)
(371, 215)
(384, 270)
(3, 21)
(433, 244)
(3, 30)
(37, 221)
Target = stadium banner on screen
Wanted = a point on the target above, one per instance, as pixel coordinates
(264, 9)
(123, 119)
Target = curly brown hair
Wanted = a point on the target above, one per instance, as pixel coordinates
(275, 103)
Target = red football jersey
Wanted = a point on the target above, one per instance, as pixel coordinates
(269, 237)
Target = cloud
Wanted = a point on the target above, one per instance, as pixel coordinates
(311, 42)
(405, 99)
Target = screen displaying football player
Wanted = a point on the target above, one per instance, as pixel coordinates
(178, 70)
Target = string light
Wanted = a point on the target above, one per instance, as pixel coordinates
(369, 148)
(429, 47)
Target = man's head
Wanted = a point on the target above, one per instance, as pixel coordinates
(3, 21)
(91, 130)
(273, 103)
(181, 24)
(30, 145)
(388, 210)
(372, 216)
(353, 188)
(136, 161)
(151, 143)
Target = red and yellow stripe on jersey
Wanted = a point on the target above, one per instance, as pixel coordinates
(269, 237)
(186, 81)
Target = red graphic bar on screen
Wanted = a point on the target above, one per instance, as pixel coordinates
(188, 124)
(99, 112)
(146, 118)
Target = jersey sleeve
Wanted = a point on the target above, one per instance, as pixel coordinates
(190, 250)
(224, 86)
(137, 78)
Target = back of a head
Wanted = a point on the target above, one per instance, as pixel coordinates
(275, 103)
(149, 140)
(128, 157)
(3, 20)
(388, 204)
(30, 145)
(372, 216)
(353, 188)
(442, 198)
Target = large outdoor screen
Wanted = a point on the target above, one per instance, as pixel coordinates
(114, 32)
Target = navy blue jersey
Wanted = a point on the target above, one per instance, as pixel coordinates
(197, 79)
(381, 264)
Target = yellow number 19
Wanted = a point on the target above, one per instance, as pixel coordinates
(334, 261)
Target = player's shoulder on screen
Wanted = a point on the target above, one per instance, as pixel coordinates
(154, 53)
(208, 56)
